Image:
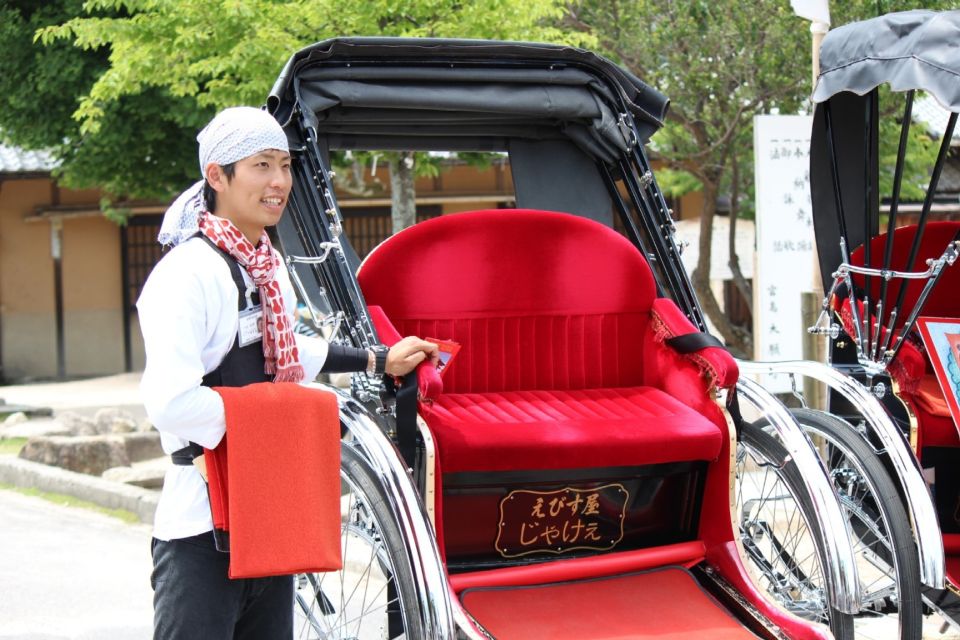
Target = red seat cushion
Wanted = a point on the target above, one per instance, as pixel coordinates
(936, 425)
(930, 397)
(566, 429)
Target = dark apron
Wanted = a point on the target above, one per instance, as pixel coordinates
(242, 365)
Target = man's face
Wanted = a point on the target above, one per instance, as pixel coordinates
(257, 194)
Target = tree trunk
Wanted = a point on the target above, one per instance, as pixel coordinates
(403, 194)
(736, 338)
(739, 280)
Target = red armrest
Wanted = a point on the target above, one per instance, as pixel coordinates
(427, 377)
(715, 362)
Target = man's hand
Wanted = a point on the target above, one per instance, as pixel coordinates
(405, 355)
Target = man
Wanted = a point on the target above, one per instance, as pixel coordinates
(217, 310)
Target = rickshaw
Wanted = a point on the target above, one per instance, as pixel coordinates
(889, 440)
(589, 464)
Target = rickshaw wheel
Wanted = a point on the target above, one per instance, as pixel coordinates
(889, 565)
(782, 546)
(373, 596)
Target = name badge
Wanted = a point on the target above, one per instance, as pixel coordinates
(251, 326)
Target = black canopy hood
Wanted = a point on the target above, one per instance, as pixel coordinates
(436, 93)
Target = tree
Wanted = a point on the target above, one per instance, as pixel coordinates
(144, 147)
(721, 62)
(219, 53)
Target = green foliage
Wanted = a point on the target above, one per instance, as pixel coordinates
(534, 20)
(118, 88)
(479, 160)
(721, 62)
(11, 446)
(426, 165)
(676, 182)
(116, 214)
(145, 146)
(40, 86)
(921, 153)
(228, 52)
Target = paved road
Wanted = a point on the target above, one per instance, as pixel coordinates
(71, 573)
(77, 574)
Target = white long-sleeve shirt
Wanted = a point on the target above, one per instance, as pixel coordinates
(189, 320)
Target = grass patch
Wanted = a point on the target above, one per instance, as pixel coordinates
(69, 501)
(11, 446)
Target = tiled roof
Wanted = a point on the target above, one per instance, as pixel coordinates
(950, 178)
(17, 160)
(928, 111)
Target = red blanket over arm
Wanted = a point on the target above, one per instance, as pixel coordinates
(282, 468)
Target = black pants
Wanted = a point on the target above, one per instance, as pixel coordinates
(194, 599)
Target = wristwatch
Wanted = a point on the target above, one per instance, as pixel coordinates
(378, 363)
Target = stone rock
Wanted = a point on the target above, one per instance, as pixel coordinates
(84, 454)
(142, 446)
(123, 426)
(146, 477)
(15, 418)
(76, 424)
(145, 426)
(26, 409)
(36, 427)
(113, 420)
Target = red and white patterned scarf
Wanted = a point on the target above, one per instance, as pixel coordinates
(260, 262)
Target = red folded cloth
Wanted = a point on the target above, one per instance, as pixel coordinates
(276, 488)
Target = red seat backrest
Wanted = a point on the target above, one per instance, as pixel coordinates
(538, 300)
(943, 300)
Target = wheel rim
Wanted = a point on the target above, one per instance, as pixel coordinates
(877, 562)
(783, 557)
(361, 600)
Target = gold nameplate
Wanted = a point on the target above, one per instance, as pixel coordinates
(561, 521)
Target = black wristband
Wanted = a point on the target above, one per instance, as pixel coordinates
(380, 357)
(345, 359)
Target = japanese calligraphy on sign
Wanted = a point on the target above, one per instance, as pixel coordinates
(785, 240)
(560, 521)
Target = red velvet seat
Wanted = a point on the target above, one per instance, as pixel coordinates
(501, 431)
(562, 362)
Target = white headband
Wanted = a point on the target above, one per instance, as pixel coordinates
(234, 134)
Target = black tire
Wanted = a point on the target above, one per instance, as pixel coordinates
(327, 604)
(887, 554)
(783, 546)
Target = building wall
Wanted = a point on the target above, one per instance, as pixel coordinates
(26, 283)
(475, 205)
(91, 286)
(92, 296)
